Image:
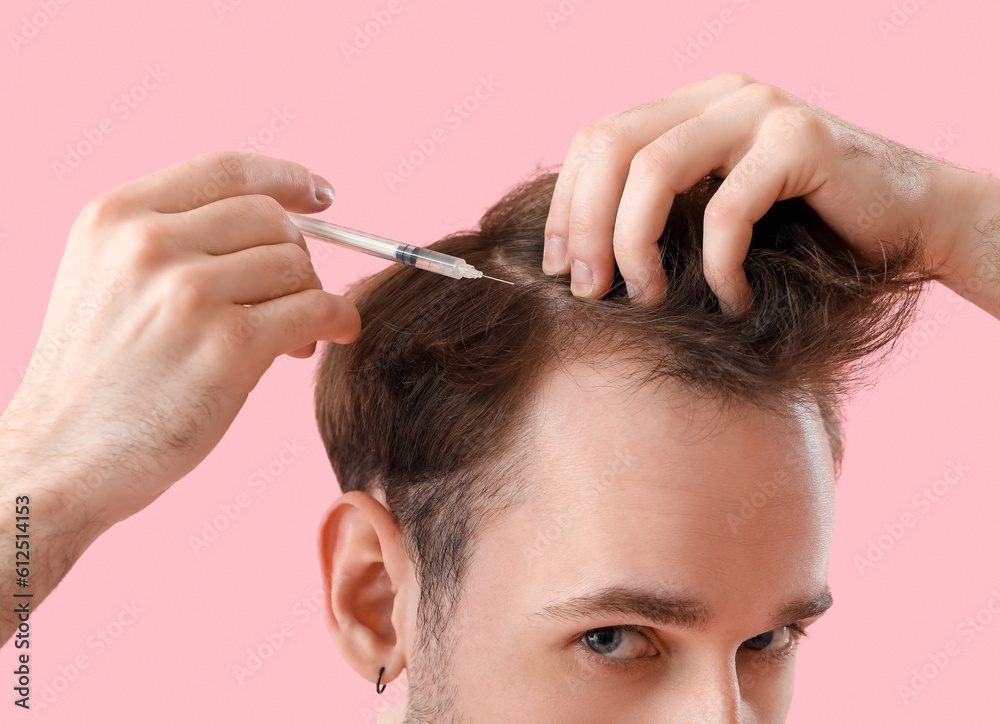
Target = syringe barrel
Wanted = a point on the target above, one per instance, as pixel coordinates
(430, 260)
(379, 246)
(348, 238)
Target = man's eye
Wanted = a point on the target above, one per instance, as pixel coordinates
(775, 641)
(618, 642)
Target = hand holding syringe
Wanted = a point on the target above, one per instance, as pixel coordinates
(416, 256)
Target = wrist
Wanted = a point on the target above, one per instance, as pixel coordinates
(56, 490)
(968, 202)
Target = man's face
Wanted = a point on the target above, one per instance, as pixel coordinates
(657, 570)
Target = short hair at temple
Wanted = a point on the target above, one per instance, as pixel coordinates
(429, 403)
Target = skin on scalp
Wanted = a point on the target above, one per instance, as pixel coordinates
(640, 489)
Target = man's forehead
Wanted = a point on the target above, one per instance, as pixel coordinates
(594, 393)
(607, 453)
(592, 400)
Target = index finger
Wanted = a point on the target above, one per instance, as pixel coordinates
(224, 174)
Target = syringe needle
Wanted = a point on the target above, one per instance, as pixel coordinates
(498, 280)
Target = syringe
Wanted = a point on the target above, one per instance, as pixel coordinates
(449, 266)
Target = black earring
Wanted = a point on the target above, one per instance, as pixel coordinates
(378, 690)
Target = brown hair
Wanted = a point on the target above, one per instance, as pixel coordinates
(428, 401)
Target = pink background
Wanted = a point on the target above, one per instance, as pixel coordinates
(932, 79)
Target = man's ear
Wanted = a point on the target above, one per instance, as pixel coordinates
(371, 590)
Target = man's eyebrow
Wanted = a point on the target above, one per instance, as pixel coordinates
(805, 608)
(667, 609)
(662, 608)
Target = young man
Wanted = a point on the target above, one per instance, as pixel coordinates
(595, 510)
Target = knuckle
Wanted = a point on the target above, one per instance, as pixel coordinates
(633, 115)
(788, 117)
(764, 94)
(679, 136)
(596, 140)
(580, 141)
(623, 121)
(651, 161)
(582, 224)
(626, 250)
(296, 267)
(187, 294)
(718, 211)
(232, 167)
(609, 131)
(801, 127)
(337, 315)
(792, 116)
(814, 128)
(238, 325)
(266, 210)
(582, 136)
(743, 177)
(735, 80)
(147, 245)
(101, 211)
(300, 319)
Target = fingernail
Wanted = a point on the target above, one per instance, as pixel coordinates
(323, 190)
(582, 283)
(634, 291)
(554, 257)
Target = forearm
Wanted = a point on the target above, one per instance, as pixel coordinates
(972, 264)
(43, 530)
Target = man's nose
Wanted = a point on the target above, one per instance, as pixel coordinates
(709, 693)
